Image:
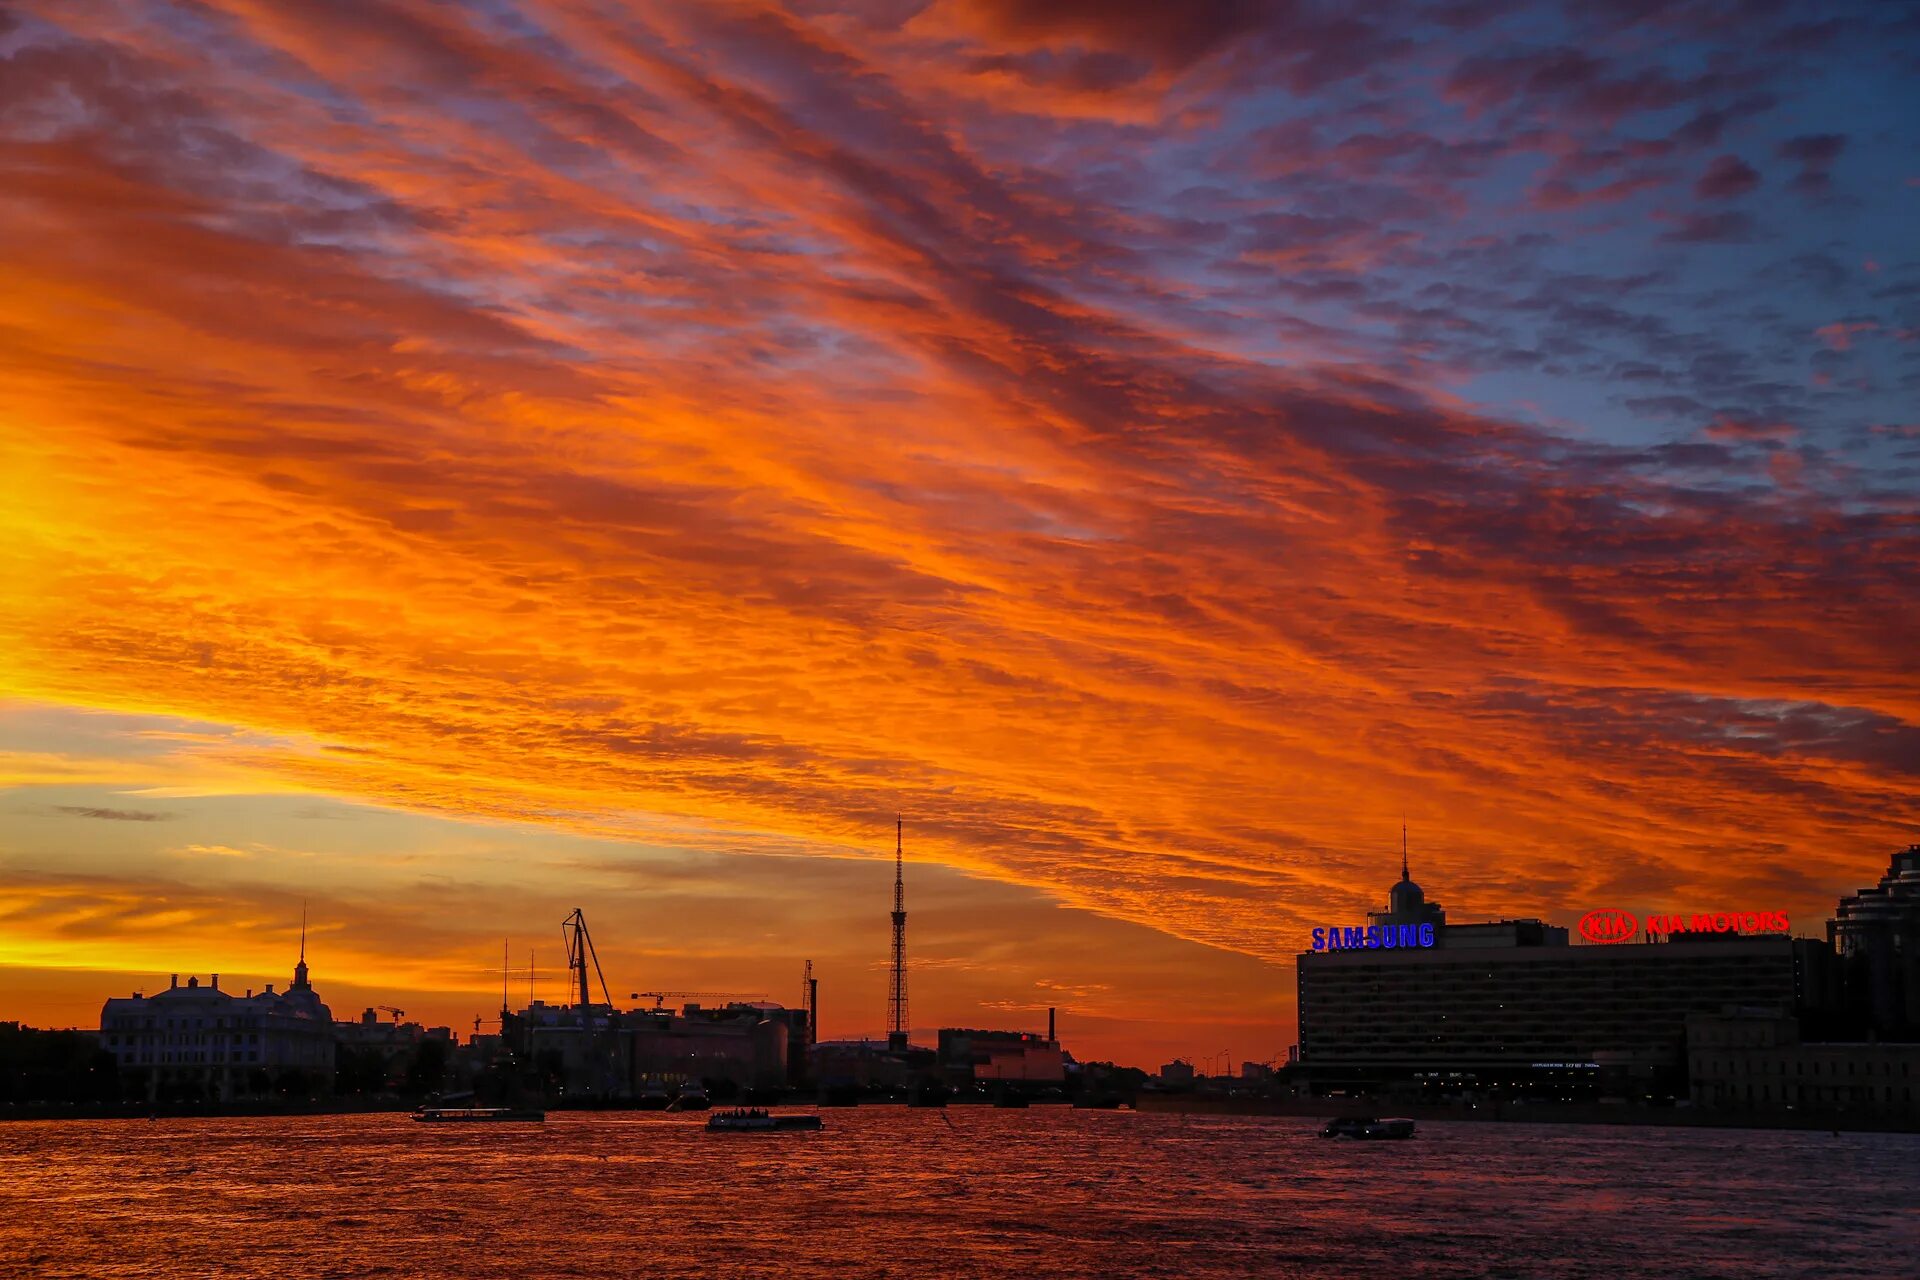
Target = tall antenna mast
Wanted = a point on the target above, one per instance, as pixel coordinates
(897, 997)
(1404, 875)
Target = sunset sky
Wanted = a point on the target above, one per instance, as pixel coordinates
(464, 462)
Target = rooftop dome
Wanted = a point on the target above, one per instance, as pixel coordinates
(1406, 896)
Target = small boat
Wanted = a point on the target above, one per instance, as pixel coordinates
(755, 1120)
(691, 1100)
(1367, 1127)
(653, 1097)
(477, 1115)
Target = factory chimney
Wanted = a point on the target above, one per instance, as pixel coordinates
(808, 987)
(897, 996)
(1050, 1036)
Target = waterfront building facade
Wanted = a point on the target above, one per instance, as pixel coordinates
(622, 1053)
(1512, 1008)
(1754, 1062)
(969, 1055)
(205, 1044)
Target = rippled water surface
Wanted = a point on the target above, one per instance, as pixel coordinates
(892, 1192)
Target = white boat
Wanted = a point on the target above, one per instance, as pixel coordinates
(477, 1115)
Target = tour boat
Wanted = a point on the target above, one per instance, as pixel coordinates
(1367, 1127)
(754, 1120)
(475, 1115)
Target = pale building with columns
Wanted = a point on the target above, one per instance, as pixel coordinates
(208, 1042)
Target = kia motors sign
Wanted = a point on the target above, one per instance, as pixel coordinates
(1612, 925)
(1609, 926)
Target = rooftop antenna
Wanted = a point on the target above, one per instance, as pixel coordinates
(1404, 875)
(897, 996)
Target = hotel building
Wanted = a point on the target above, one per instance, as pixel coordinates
(1512, 1008)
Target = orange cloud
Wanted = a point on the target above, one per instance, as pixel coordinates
(684, 423)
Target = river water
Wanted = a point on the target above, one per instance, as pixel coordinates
(885, 1191)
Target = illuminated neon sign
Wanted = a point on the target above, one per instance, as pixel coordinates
(1372, 937)
(1610, 925)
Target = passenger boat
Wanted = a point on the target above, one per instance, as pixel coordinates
(477, 1115)
(754, 1120)
(1367, 1127)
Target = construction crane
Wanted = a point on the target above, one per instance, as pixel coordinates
(387, 1008)
(579, 951)
(660, 998)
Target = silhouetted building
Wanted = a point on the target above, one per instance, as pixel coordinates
(205, 1043)
(744, 1044)
(385, 1049)
(967, 1054)
(1754, 1061)
(614, 1053)
(1177, 1074)
(868, 1064)
(1875, 935)
(1510, 1007)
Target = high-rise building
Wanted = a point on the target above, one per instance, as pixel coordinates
(1875, 934)
(1511, 1007)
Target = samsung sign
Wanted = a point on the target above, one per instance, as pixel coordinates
(1373, 937)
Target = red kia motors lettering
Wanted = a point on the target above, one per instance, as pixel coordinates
(1720, 922)
(1612, 925)
(1608, 925)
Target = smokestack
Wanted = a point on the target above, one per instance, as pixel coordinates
(174, 983)
(1050, 1035)
(216, 982)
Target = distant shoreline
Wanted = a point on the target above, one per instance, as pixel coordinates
(1146, 1104)
(1520, 1113)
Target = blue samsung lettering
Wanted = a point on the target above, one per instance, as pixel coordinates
(1319, 939)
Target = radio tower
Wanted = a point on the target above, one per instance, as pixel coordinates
(897, 997)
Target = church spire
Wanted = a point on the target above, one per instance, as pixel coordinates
(300, 969)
